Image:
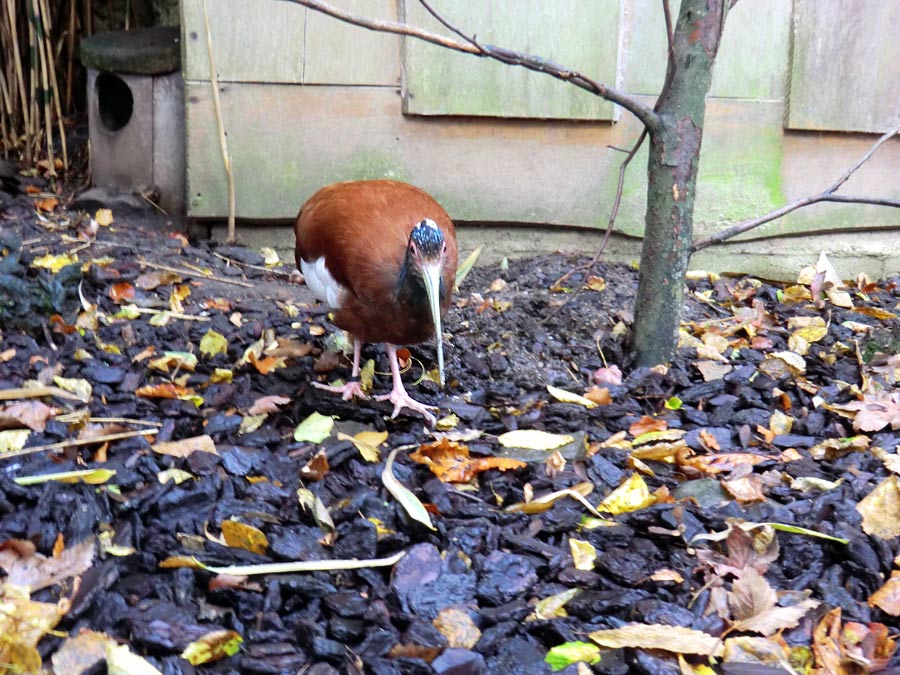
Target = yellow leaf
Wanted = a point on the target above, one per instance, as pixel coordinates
(81, 388)
(554, 606)
(632, 495)
(270, 256)
(569, 397)
(213, 343)
(655, 636)
(447, 423)
(179, 476)
(213, 646)
(221, 375)
(13, 440)
(583, 554)
(880, 509)
(367, 443)
(533, 439)
(247, 537)
(314, 429)
(54, 263)
(120, 660)
(104, 217)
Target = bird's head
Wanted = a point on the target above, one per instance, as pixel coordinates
(427, 250)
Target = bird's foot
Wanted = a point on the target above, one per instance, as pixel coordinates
(401, 400)
(347, 391)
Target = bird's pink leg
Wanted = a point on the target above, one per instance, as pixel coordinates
(354, 386)
(398, 395)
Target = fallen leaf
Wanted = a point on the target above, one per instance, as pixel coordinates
(37, 571)
(55, 263)
(213, 343)
(569, 397)
(403, 495)
(243, 536)
(310, 501)
(23, 622)
(631, 495)
(121, 290)
(104, 217)
(267, 404)
(553, 607)
(752, 602)
(457, 626)
(880, 509)
(611, 375)
(451, 463)
(175, 360)
(314, 429)
(675, 639)
(81, 652)
(186, 446)
(120, 660)
(647, 424)
(746, 490)
(88, 476)
(533, 439)
(213, 646)
(564, 655)
(32, 414)
(13, 440)
(598, 395)
(316, 468)
(583, 554)
(887, 598)
(367, 443)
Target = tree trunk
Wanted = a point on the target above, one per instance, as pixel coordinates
(672, 180)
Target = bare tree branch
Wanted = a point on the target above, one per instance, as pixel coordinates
(509, 56)
(826, 195)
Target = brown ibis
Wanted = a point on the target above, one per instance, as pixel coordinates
(382, 254)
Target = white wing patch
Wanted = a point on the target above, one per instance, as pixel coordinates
(321, 283)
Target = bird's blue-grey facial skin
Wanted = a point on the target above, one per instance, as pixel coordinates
(427, 240)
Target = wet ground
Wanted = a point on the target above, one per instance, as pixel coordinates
(745, 433)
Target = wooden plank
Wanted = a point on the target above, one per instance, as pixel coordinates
(337, 53)
(752, 61)
(289, 141)
(845, 66)
(252, 41)
(580, 34)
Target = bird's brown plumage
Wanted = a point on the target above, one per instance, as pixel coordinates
(362, 229)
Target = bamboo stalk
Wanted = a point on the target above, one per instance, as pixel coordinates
(43, 61)
(16, 58)
(70, 53)
(223, 141)
(54, 88)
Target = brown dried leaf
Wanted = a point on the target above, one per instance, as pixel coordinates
(32, 414)
(265, 405)
(887, 598)
(186, 446)
(753, 606)
(647, 424)
(451, 463)
(38, 571)
(316, 468)
(655, 636)
(880, 509)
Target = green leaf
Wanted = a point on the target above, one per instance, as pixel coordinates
(314, 429)
(564, 655)
(674, 403)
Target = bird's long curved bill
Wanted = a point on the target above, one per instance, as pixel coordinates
(431, 274)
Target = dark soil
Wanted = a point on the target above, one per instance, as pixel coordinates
(505, 345)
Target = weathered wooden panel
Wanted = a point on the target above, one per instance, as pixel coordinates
(338, 53)
(753, 56)
(580, 34)
(289, 141)
(252, 41)
(845, 66)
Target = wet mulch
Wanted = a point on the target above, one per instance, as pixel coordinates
(462, 600)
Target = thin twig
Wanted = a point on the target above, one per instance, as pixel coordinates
(826, 195)
(79, 441)
(449, 26)
(509, 56)
(192, 273)
(223, 140)
(263, 268)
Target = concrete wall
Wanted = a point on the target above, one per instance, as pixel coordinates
(308, 100)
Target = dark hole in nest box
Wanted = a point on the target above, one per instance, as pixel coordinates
(115, 101)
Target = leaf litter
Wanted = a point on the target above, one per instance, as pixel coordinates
(748, 489)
